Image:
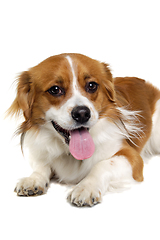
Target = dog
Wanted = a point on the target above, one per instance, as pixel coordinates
(84, 127)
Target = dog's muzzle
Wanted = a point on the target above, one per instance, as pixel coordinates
(80, 142)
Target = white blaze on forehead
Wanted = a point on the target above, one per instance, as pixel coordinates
(73, 73)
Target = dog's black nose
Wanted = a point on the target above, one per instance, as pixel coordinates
(81, 114)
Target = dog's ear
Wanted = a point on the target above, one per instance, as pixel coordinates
(25, 97)
(108, 83)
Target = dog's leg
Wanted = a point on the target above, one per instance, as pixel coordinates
(114, 172)
(36, 184)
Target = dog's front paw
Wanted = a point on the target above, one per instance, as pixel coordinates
(31, 186)
(85, 195)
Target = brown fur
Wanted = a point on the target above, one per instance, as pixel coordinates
(134, 159)
(137, 95)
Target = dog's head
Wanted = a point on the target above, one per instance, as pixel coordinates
(68, 91)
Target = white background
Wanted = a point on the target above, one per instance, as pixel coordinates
(124, 34)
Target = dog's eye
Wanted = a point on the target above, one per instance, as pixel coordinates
(91, 87)
(56, 91)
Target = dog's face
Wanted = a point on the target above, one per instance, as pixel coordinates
(70, 91)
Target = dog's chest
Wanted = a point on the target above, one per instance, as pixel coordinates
(70, 170)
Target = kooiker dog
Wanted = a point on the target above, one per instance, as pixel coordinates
(84, 127)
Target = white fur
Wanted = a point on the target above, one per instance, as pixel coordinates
(48, 150)
(106, 174)
(49, 154)
(131, 126)
(74, 79)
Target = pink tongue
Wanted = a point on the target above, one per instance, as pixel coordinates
(81, 144)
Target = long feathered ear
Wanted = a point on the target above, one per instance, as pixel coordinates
(25, 97)
(108, 83)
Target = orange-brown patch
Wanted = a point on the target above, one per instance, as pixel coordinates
(134, 159)
(137, 95)
(32, 95)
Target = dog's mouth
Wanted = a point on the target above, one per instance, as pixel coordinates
(80, 142)
(63, 132)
